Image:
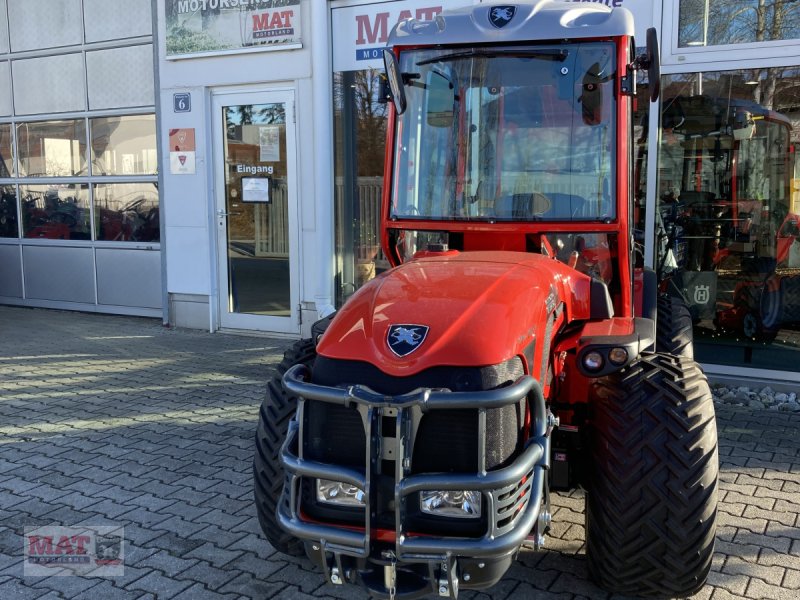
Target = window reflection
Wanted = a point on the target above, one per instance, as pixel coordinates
(56, 212)
(127, 212)
(704, 23)
(124, 145)
(52, 148)
(729, 212)
(360, 141)
(8, 212)
(6, 151)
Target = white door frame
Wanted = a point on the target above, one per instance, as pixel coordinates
(226, 319)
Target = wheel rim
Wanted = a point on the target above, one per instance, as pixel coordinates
(750, 325)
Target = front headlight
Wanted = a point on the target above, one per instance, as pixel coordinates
(336, 492)
(462, 504)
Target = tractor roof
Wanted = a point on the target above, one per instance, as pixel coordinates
(515, 22)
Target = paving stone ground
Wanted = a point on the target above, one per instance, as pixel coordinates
(109, 420)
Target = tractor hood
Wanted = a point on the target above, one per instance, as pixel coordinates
(470, 309)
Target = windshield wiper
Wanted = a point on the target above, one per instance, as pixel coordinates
(555, 54)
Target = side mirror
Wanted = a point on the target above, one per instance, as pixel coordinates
(395, 81)
(653, 64)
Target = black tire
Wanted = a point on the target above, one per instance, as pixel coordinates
(277, 410)
(674, 332)
(650, 299)
(753, 328)
(652, 492)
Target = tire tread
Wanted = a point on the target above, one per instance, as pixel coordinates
(652, 494)
(277, 410)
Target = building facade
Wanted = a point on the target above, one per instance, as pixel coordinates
(219, 163)
(79, 201)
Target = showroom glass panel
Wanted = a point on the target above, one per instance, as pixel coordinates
(705, 23)
(6, 151)
(641, 121)
(8, 212)
(124, 145)
(52, 148)
(359, 145)
(729, 212)
(55, 212)
(126, 212)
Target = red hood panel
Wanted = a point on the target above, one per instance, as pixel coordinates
(481, 308)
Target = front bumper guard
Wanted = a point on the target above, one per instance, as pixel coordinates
(512, 495)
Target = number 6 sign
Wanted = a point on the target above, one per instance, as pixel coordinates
(182, 102)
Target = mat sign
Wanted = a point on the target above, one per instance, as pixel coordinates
(213, 26)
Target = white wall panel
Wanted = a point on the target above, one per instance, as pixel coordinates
(116, 19)
(49, 84)
(188, 258)
(121, 77)
(6, 105)
(49, 24)
(59, 273)
(3, 27)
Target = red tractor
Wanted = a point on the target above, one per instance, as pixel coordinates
(411, 445)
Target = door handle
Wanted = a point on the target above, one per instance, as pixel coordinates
(222, 213)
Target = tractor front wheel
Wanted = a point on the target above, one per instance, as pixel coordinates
(277, 410)
(652, 490)
(674, 329)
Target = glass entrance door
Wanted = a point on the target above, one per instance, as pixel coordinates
(256, 212)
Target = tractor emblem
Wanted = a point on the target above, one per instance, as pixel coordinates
(500, 16)
(404, 339)
(701, 294)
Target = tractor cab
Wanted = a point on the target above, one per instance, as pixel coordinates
(518, 143)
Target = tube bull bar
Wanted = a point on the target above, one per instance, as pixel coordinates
(504, 491)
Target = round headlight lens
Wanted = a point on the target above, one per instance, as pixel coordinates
(618, 356)
(593, 361)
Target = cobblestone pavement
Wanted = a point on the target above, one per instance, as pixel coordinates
(113, 420)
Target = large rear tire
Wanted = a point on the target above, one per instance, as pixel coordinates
(674, 332)
(277, 410)
(652, 492)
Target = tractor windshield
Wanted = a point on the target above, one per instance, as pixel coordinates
(507, 133)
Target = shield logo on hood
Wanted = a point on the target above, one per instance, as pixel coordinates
(404, 339)
(500, 16)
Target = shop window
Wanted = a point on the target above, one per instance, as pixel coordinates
(126, 212)
(8, 212)
(55, 212)
(52, 148)
(124, 145)
(360, 142)
(6, 151)
(704, 23)
(120, 146)
(728, 222)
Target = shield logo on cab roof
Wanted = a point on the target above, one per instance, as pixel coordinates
(404, 339)
(500, 16)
